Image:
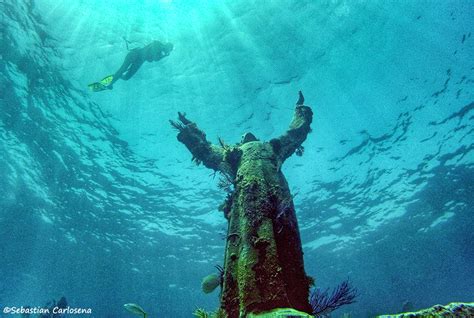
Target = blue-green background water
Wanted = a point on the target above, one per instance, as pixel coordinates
(99, 202)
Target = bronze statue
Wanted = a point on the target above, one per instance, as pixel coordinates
(263, 263)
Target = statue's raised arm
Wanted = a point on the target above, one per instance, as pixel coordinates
(195, 140)
(296, 134)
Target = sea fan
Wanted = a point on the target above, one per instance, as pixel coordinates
(201, 313)
(323, 303)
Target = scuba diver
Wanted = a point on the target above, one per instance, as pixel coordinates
(154, 51)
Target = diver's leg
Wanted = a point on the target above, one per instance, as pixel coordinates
(120, 71)
(131, 71)
(126, 65)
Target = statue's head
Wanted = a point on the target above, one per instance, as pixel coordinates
(248, 137)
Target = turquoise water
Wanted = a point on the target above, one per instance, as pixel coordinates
(100, 203)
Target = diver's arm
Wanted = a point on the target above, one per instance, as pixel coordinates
(153, 51)
(160, 55)
(195, 140)
(296, 134)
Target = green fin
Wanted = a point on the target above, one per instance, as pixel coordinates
(107, 80)
(102, 84)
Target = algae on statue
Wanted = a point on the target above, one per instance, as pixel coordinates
(263, 263)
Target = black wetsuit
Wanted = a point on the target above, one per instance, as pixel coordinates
(135, 58)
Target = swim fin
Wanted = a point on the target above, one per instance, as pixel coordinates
(103, 84)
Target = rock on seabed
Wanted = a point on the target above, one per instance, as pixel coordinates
(281, 313)
(450, 310)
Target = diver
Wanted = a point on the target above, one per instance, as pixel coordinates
(135, 58)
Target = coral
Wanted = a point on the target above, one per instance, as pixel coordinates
(323, 303)
(225, 184)
(450, 310)
(220, 313)
(201, 313)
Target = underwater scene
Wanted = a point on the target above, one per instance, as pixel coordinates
(241, 158)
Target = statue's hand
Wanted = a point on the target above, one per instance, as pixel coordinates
(181, 123)
(300, 101)
(182, 118)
